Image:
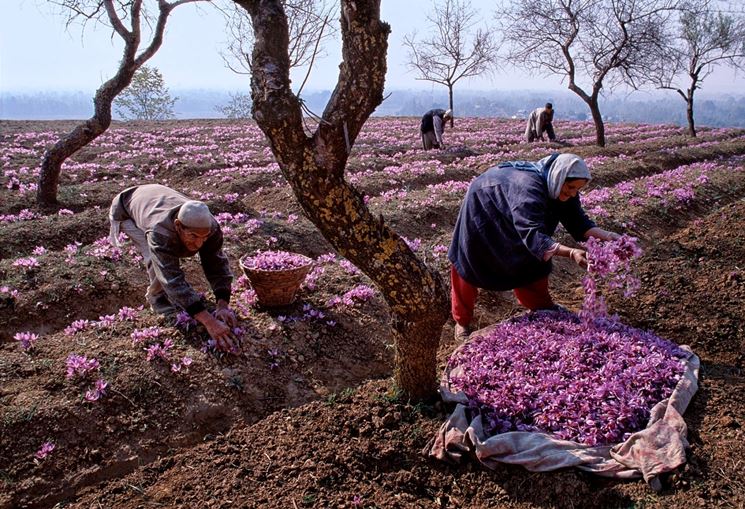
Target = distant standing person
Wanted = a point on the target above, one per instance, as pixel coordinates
(167, 226)
(540, 121)
(433, 127)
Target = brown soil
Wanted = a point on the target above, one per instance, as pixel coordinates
(324, 429)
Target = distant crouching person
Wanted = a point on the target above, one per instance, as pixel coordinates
(540, 121)
(433, 127)
(167, 226)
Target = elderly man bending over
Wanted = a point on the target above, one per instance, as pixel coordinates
(166, 226)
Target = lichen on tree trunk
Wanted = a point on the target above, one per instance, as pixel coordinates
(314, 167)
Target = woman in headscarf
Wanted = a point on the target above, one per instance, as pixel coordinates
(502, 238)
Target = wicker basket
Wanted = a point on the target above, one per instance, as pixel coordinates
(276, 287)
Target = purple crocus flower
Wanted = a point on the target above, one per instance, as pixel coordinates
(44, 451)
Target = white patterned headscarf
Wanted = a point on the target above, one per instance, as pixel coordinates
(564, 166)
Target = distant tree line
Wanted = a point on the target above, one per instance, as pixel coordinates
(718, 110)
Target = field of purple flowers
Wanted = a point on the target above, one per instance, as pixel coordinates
(104, 404)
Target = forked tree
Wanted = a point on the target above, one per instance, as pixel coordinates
(707, 38)
(314, 165)
(116, 13)
(592, 44)
(455, 47)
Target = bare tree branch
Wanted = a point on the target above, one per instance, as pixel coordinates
(114, 18)
(453, 50)
(309, 28)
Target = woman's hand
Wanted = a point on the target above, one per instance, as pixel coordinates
(611, 235)
(601, 234)
(579, 257)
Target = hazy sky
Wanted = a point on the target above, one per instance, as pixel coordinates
(38, 53)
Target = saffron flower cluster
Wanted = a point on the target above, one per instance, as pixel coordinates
(103, 249)
(44, 451)
(185, 321)
(77, 326)
(274, 355)
(360, 293)
(159, 350)
(146, 334)
(8, 291)
(24, 215)
(26, 263)
(275, 260)
(592, 382)
(27, 339)
(80, 366)
(311, 280)
(184, 363)
(127, 314)
(106, 321)
(98, 390)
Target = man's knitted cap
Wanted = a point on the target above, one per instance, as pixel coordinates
(195, 214)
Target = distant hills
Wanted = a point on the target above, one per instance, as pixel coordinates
(723, 110)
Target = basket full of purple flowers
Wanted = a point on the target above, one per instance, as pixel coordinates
(275, 276)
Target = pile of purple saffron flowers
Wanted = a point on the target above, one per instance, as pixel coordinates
(275, 260)
(592, 382)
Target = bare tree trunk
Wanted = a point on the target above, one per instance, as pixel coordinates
(314, 167)
(592, 102)
(79, 137)
(597, 118)
(450, 103)
(689, 115)
(689, 111)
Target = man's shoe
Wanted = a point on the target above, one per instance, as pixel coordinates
(462, 332)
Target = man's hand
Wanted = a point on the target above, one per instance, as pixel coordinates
(219, 331)
(579, 257)
(224, 313)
